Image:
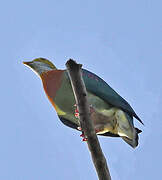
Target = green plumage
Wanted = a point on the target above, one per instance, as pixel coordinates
(100, 94)
(111, 115)
(103, 99)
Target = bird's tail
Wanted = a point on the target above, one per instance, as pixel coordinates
(134, 141)
(126, 129)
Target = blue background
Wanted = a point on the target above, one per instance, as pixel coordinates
(121, 41)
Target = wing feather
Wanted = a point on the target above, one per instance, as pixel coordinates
(100, 88)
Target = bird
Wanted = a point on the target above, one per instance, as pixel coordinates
(111, 114)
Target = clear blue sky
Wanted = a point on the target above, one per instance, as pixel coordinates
(121, 41)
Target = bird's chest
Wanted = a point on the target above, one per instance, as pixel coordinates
(60, 94)
(65, 100)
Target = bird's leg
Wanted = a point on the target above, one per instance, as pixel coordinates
(91, 109)
(83, 136)
(76, 114)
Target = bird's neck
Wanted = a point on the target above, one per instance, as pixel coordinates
(39, 70)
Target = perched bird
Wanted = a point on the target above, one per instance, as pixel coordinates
(110, 113)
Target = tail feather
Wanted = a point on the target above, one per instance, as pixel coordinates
(133, 142)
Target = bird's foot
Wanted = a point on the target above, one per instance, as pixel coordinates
(91, 109)
(83, 135)
(76, 114)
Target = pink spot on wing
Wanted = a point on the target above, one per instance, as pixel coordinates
(90, 75)
(96, 79)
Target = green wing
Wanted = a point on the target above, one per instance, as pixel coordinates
(100, 88)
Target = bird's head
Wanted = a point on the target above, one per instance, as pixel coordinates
(40, 65)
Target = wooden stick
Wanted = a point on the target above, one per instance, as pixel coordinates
(80, 93)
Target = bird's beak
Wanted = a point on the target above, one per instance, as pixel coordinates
(30, 64)
(27, 63)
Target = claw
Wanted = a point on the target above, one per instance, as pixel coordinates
(76, 114)
(85, 139)
(91, 109)
(82, 135)
(76, 111)
(97, 130)
(79, 128)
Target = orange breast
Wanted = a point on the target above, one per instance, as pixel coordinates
(51, 83)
